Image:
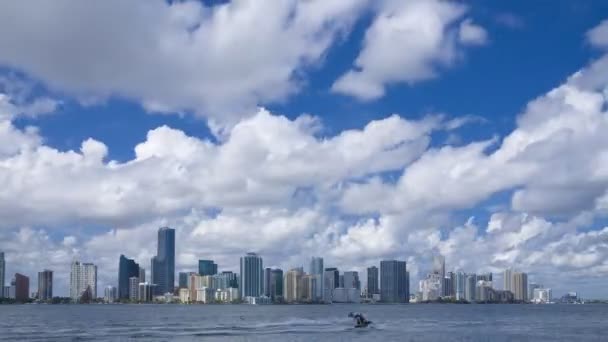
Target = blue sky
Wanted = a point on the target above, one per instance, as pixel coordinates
(253, 116)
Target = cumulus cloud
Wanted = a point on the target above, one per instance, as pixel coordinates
(219, 61)
(408, 41)
(598, 36)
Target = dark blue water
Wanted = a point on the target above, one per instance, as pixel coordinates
(303, 323)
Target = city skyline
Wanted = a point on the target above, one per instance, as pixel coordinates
(358, 131)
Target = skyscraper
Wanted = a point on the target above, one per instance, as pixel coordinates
(292, 285)
(83, 277)
(336, 276)
(316, 269)
(394, 284)
(470, 287)
(127, 268)
(520, 286)
(351, 280)
(142, 275)
(134, 288)
(329, 280)
(2, 274)
(207, 267)
(110, 294)
(531, 288)
(276, 284)
(183, 280)
(460, 284)
(439, 269)
(507, 280)
(45, 285)
(163, 264)
(22, 287)
(251, 275)
(372, 281)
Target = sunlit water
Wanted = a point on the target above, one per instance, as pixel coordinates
(303, 323)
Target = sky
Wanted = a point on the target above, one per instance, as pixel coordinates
(353, 130)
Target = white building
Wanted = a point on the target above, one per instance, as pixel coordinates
(205, 295)
(184, 295)
(82, 277)
(542, 295)
(431, 287)
(344, 295)
(134, 288)
(110, 294)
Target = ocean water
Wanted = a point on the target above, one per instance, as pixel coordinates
(303, 323)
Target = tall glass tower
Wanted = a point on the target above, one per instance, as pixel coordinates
(252, 276)
(207, 267)
(127, 268)
(316, 269)
(163, 264)
(394, 282)
(45, 285)
(2, 267)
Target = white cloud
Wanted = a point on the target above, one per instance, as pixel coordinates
(219, 61)
(598, 36)
(408, 41)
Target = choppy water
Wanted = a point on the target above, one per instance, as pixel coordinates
(303, 323)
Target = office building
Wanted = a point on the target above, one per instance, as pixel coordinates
(110, 294)
(531, 288)
(183, 280)
(447, 285)
(142, 275)
(207, 267)
(226, 280)
(394, 282)
(507, 279)
(267, 273)
(163, 264)
(308, 288)
(329, 284)
(485, 277)
(293, 285)
(484, 291)
(276, 285)
(134, 288)
(45, 285)
(127, 268)
(470, 287)
(336, 274)
(460, 283)
(351, 280)
(542, 295)
(520, 286)
(372, 281)
(146, 292)
(316, 269)
(2, 274)
(252, 275)
(22, 287)
(344, 295)
(83, 277)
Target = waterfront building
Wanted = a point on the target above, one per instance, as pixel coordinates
(484, 291)
(470, 287)
(2, 275)
(336, 276)
(184, 295)
(266, 290)
(531, 288)
(226, 279)
(542, 295)
(372, 281)
(142, 274)
(127, 268)
(163, 264)
(276, 285)
(6, 292)
(351, 280)
(22, 287)
(503, 296)
(520, 286)
(83, 277)
(439, 269)
(45, 285)
(328, 284)
(394, 281)
(292, 285)
(205, 295)
(460, 283)
(183, 280)
(207, 267)
(507, 278)
(447, 285)
(146, 292)
(431, 287)
(110, 294)
(134, 288)
(252, 275)
(316, 270)
(346, 295)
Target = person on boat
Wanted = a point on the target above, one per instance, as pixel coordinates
(360, 320)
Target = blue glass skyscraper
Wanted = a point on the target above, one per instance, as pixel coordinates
(252, 276)
(207, 267)
(394, 282)
(127, 268)
(163, 264)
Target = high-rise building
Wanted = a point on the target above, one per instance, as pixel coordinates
(134, 288)
(2, 273)
(183, 280)
(252, 275)
(507, 279)
(439, 269)
(520, 286)
(460, 283)
(351, 280)
(83, 277)
(110, 294)
(394, 283)
(276, 284)
(372, 281)
(484, 291)
(470, 287)
(142, 275)
(22, 287)
(329, 284)
(163, 264)
(308, 288)
(45, 285)
(127, 268)
(226, 280)
(316, 269)
(336, 275)
(267, 273)
(531, 288)
(542, 295)
(447, 285)
(485, 277)
(207, 267)
(292, 285)
(146, 292)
